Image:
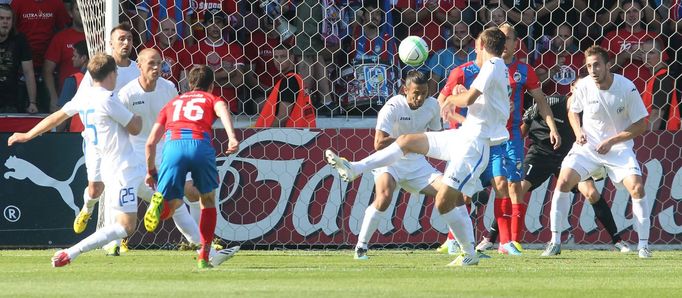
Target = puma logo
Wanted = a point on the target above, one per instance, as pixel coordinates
(21, 169)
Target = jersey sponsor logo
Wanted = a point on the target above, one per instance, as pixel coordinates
(139, 102)
(517, 77)
(620, 109)
(405, 118)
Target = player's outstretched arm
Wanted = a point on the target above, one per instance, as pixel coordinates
(43, 126)
(150, 153)
(635, 129)
(226, 119)
(546, 112)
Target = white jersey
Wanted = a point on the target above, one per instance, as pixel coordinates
(487, 116)
(104, 119)
(146, 105)
(606, 113)
(396, 118)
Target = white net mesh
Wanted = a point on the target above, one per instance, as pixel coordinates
(93, 14)
(346, 52)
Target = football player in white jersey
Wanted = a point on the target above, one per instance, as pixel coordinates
(467, 148)
(107, 127)
(413, 112)
(122, 45)
(146, 96)
(613, 114)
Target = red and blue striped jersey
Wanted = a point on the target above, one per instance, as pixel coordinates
(189, 116)
(521, 78)
(461, 75)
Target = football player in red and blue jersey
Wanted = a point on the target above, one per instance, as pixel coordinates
(186, 121)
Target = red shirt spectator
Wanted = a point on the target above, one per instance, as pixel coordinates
(259, 53)
(39, 20)
(215, 56)
(622, 40)
(60, 51)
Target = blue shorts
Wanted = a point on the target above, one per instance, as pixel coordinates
(514, 162)
(495, 166)
(187, 156)
(506, 160)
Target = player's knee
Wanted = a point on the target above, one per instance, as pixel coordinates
(382, 200)
(563, 184)
(191, 193)
(592, 196)
(637, 191)
(208, 200)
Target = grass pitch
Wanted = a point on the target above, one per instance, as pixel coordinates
(300, 273)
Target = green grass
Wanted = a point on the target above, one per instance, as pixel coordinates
(296, 273)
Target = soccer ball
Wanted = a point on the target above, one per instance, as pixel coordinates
(413, 51)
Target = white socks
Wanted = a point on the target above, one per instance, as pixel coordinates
(88, 202)
(561, 203)
(194, 210)
(640, 211)
(460, 223)
(97, 239)
(381, 158)
(186, 225)
(369, 224)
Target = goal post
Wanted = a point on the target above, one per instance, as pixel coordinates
(99, 17)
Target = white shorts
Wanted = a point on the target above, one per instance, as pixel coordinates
(93, 162)
(412, 175)
(121, 190)
(619, 163)
(468, 158)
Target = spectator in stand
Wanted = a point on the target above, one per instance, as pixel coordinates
(562, 65)
(373, 59)
(225, 58)
(660, 96)
(58, 57)
(150, 13)
(263, 70)
(288, 105)
(310, 47)
(494, 15)
(79, 60)
(167, 44)
(623, 43)
(39, 21)
(602, 16)
(459, 51)
(16, 57)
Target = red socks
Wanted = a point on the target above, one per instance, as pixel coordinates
(165, 211)
(518, 213)
(207, 222)
(502, 214)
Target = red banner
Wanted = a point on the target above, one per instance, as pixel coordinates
(277, 190)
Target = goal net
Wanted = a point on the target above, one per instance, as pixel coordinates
(277, 191)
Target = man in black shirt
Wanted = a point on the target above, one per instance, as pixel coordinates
(542, 161)
(15, 55)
